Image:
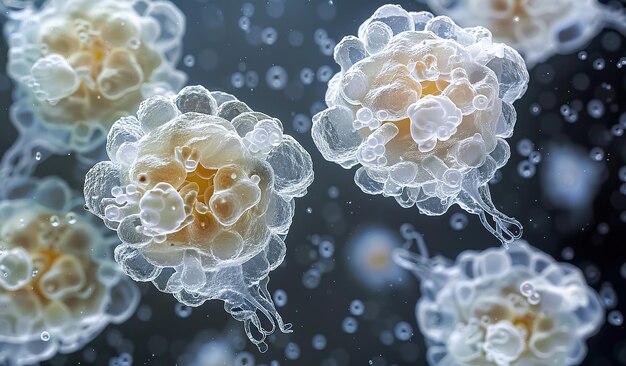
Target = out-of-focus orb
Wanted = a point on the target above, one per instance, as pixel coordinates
(201, 190)
(538, 29)
(370, 257)
(423, 106)
(503, 307)
(79, 65)
(60, 286)
(570, 181)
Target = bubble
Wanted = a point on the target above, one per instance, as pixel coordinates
(608, 296)
(319, 342)
(45, 336)
(567, 253)
(599, 64)
(280, 298)
(357, 307)
(526, 169)
(292, 351)
(247, 9)
(458, 221)
(276, 78)
(597, 154)
(189, 60)
(307, 76)
(403, 331)
(595, 108)
(183, 310)
(301, 123)
(326, 249)
(238, 80)
(527, 289)
(583, 55)
(252, 79)
(269, 35)
(324, 73)
(615, 318)
(244, 23)
(349, 325)
(535, 157)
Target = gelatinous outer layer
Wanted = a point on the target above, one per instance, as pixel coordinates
(59, 283)
(423, 106)
(536, 28)
(200, 189)
(80, 65)
(505, 307)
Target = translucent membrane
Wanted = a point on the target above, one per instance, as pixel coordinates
(501, 307)
(200, 190)
(78, 65)
(537, 29)
(423, 107)
(59, 284)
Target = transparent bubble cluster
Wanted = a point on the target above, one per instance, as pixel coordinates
(423, 106)
(79, 65)
(538, 29)
(504, 307)
(200, 189)
(59, 284)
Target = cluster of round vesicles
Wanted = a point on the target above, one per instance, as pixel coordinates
(79, 65)
(503, 307)
(200, 189)
(537, 29)
(423, 106)
(59, 284)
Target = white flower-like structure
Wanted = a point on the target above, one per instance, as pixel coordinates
(538, 29)
(200, 189)
(423, 107)
(79, 65)
(59, 283)
(500, 307)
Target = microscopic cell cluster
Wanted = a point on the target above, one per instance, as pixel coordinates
(423, 107)
(60, 286)
(502, 307)
(79, 65)
(200, 189)
(537, 29)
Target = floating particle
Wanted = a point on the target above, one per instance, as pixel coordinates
(200, 190)
(48, 270)
(357, 308)
(418, 126)
(276, 78)
(458, 221)
(370, 260)
(537, 29)
(503, 307)
(80, 64)
(403, 331)
(349, 325)
(319, 342)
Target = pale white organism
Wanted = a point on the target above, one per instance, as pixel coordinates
(538, 29)
(423, 106)
(79, 65)
(60, 285)
(201, 190)
(500, 307)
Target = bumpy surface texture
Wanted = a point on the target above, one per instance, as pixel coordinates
(501, 307)
(423, 106)
(201, 190)
(60, 286)
(536, 28)
(79, 65)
